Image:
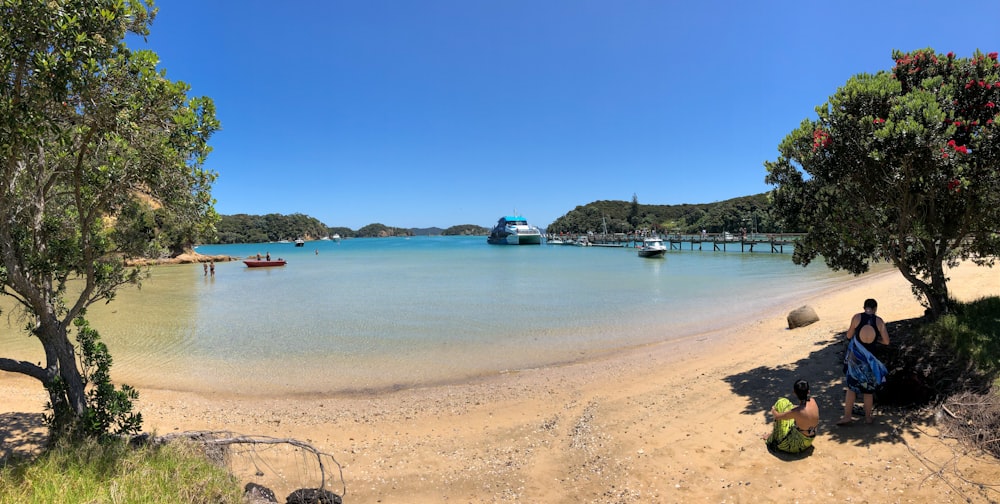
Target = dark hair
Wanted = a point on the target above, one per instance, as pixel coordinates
(871, 303)
(801, 389)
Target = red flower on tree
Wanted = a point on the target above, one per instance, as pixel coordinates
(958, 148)
(821, 139)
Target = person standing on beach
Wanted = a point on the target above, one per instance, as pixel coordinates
(863, 372)
(211, 267)
(794, 426)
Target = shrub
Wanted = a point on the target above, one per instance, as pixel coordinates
(972, 333)
(109, 410)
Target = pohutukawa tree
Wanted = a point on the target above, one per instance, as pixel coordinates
(99, 153)
(901, 166)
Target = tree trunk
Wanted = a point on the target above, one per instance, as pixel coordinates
(935, 293)
(937, 296)
(62, 365)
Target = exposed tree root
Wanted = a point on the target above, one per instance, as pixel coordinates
(218, 447)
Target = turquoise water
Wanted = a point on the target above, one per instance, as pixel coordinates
(371, 314)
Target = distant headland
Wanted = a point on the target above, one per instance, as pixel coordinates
(751, 213)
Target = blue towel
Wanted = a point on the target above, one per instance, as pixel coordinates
(865, 373)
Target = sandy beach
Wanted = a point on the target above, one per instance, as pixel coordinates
(672, 422)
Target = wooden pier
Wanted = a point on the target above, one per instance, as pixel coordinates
(774, 243)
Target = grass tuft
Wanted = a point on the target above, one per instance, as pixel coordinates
(114, 472)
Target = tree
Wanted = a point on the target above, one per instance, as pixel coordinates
(901, 166)
(633, 212)
(97, 147)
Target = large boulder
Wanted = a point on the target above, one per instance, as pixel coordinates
(802, 316)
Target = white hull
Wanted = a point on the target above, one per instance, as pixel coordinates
(524, 239)
(652, 247)
(514, 231)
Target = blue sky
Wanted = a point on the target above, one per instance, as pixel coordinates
(416, 113)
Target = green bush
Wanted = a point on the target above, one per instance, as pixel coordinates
(109, 409)
(972, 332)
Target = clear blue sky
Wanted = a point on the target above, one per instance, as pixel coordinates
(420, 113)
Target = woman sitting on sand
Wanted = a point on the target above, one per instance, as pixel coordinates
(794, 427)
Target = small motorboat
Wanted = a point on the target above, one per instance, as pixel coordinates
(263, 263)
(652, 247)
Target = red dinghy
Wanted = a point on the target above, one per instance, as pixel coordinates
(254, 263)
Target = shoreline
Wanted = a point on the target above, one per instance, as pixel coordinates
(665, 422)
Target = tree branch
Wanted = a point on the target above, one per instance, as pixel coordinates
(23, 367)
(225, 438)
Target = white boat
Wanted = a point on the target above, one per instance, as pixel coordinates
(299, 242)
(514, 230)
(652, 247)
(582, 241)
(336, 237)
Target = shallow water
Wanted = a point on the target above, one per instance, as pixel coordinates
(367, 314)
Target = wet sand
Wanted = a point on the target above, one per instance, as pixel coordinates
(671, 422)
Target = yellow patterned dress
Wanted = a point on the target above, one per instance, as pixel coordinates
(786, 436)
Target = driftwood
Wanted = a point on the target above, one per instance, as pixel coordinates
(975, 420)
(215, 441)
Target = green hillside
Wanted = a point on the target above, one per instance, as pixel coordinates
(750, 212)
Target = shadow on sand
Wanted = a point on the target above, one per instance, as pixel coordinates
(823, 368)
(21, 435)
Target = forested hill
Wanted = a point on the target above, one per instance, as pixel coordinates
(750, 212)
(243, 228)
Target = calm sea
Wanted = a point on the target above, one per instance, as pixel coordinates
(369, 314)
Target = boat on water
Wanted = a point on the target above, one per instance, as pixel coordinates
(336, 237)
(652, 247)
(299, 242)
(263, 263)
(514, 230)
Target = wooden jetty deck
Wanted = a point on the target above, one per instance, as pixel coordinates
(774, 243)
